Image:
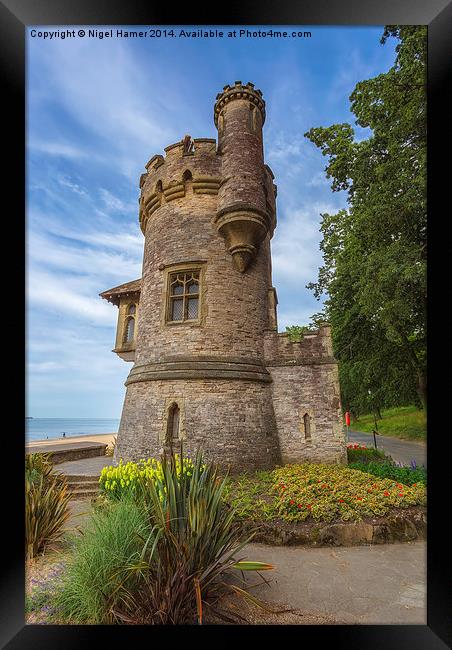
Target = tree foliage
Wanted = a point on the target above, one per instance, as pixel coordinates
(374, 252)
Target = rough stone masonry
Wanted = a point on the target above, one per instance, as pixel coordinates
(210, 367)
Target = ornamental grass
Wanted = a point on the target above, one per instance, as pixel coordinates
(160, 554)
(46, 504)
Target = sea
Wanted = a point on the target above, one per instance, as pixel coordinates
(53, 428)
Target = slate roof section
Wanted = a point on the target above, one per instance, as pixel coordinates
(113, 295)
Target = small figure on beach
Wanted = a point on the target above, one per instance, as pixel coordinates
(64, 435)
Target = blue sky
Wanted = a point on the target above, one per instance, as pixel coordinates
(97, 111)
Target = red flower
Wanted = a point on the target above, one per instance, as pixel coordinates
(291, 502)
(308, 506)
(324, 485)
(299, 505)
(359, 498)
(400, 494)
(341, 501)
(386, 494)
(414, 484)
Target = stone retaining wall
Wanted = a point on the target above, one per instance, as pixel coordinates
(405, 525)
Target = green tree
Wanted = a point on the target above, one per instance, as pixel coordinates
(374, 253)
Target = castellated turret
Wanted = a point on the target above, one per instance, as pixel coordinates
(210, 368)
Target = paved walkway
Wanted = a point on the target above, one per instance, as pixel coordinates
(403, 451)
(382, 584)
(85, 466)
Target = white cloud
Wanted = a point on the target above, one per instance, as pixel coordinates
(66, 182)
(296, 255)
(113, 203)
(110, 94)
(56, 294)
(54, 148)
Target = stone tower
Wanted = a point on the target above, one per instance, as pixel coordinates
(200, 325)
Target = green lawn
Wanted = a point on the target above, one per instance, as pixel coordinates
(406, 422)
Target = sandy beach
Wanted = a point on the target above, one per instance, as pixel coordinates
(108, 438)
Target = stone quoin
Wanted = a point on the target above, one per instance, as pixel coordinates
(210, 367)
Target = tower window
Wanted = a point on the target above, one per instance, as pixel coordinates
(183, 300)
(129, 324)
(252, 119)
(172, 431)
(307, 426)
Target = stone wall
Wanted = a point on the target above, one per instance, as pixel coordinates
(311, 390)
(231, 420)
(306, 383)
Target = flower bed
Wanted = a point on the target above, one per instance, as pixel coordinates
(296, 493)
(132, 478)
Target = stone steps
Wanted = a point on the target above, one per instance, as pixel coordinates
(83, 487)
(84, 494)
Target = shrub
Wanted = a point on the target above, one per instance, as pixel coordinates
(406, 475)
(46, 504)
(363, 454)
(162, 561)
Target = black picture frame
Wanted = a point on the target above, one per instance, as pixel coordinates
(15, 16)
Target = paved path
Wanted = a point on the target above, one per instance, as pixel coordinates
(382, 584)
(85, 466)
(402, 451)
(368, 585)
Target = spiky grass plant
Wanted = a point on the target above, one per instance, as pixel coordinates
(159, 561)
(193, 542)
(46, 504)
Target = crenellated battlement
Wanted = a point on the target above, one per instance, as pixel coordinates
(314, 348)
(239, 91)
(188, 163)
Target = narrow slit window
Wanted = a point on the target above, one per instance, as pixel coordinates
(184, 294)
(307, 426)
(172, 432)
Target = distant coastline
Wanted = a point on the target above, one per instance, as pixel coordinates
(42, 429)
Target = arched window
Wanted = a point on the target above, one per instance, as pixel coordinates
(183, 296)
(307, 426)
(129, 330)
(187, 179)
(129, 324)
(172, 430)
